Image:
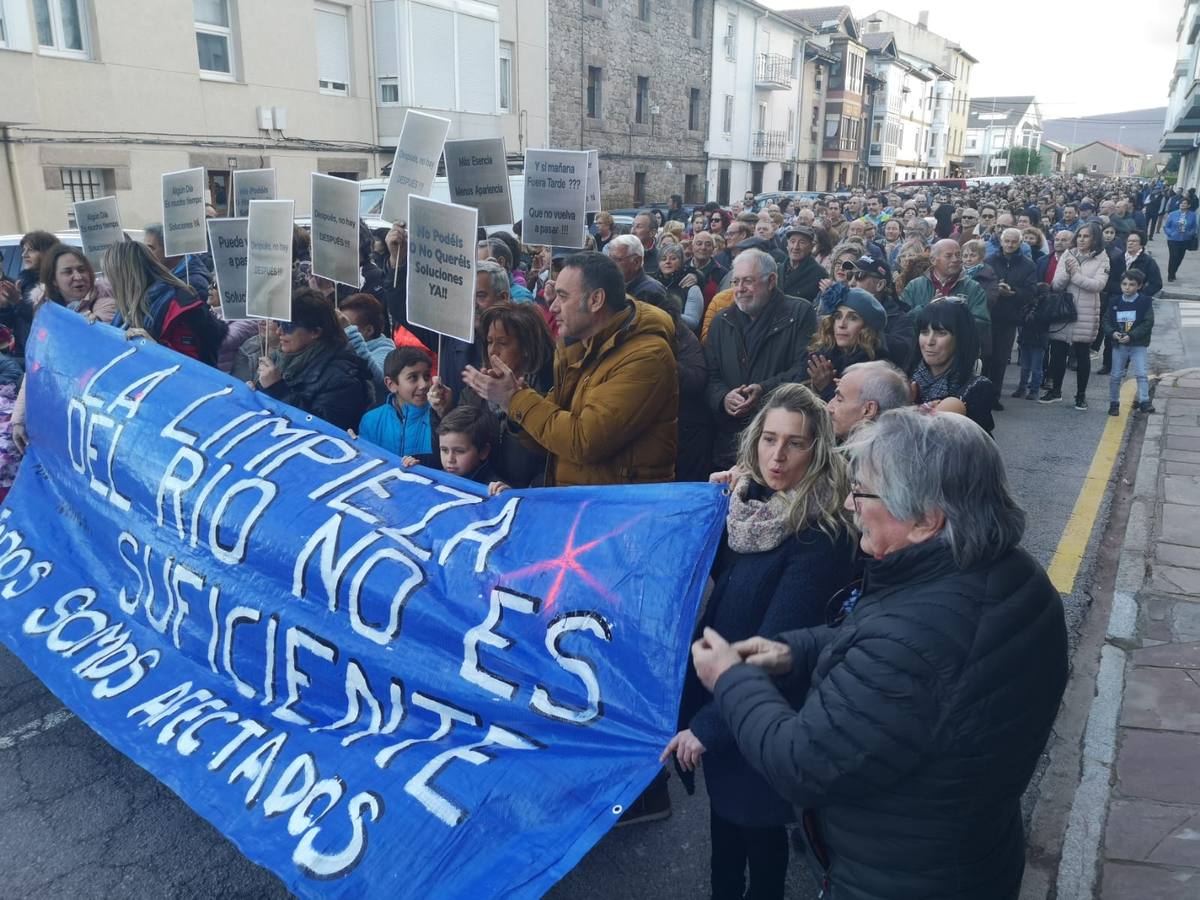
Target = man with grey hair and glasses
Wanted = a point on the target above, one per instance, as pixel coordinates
(629, 255)
(927, 708)
(757, 344)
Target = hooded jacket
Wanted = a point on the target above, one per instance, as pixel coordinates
(926, 714)
(611, 417)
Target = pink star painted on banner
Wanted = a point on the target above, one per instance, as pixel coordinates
(42, 334)
(568, 562)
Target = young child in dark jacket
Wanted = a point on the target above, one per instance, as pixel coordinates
(1128, 319)
(1032, 340)
(466, 436)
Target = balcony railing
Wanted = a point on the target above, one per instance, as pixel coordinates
(773, 71)
(770, 144)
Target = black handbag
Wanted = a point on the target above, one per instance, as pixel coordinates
(1060, 308)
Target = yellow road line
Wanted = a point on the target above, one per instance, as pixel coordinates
(1069, 554)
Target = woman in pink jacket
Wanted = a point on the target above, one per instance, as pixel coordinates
(1083, 272)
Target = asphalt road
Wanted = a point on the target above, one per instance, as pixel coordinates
(78, 820)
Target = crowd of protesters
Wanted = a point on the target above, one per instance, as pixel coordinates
(836, 364)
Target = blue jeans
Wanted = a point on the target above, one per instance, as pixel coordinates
(1032, 360)
(1123, 355)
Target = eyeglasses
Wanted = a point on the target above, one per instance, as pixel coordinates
(858, 496)
(287, 327)
(863, 276)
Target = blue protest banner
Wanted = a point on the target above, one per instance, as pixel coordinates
(376, 681)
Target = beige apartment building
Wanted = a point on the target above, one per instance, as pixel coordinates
(100, 97)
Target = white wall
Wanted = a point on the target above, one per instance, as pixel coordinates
(756, 34)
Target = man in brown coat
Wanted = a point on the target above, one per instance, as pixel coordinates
(611, 416)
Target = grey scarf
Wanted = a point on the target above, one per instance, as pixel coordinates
(756, 526)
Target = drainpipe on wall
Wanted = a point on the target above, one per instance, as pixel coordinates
(10, 156)
(753, 94)
(372, 89)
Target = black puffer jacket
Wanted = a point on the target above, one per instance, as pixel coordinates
(335, 386)
(927, 712)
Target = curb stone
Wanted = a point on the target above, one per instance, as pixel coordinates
(1079, 867)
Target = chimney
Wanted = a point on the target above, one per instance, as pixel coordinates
(923, 20)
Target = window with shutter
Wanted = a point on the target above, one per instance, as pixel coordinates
(333, 49)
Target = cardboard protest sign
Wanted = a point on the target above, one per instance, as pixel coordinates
(555, 197)
(230, 254)
(477, 172)
(251, 184)
(184, 230)
(441, 267)
(415, 162)
(376, 681)
(99, 223)
(592, 204)
(269, 277)
(334, 229)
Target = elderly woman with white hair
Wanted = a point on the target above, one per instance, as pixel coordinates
(928, 707)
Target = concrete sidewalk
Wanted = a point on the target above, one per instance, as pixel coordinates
(1134, 828)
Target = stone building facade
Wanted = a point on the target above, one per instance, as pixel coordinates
(630, 78)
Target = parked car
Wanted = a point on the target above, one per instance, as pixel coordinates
(10, 249)
(953, 184)
(762, 201)
(371, 191)
(990, 181)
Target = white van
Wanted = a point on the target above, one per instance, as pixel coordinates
(371, 190)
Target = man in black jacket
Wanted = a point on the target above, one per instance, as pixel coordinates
(627, 252)
(1017, 277)
(753, 347)
(800, 273)
(928, 707)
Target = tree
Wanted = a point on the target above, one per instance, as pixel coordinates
(1022, 160)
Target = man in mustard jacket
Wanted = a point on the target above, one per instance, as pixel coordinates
(611, 416)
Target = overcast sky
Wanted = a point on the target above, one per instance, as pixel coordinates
(1077, 59)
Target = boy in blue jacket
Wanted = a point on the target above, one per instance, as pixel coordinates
(1129, 319)
(402, 424)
